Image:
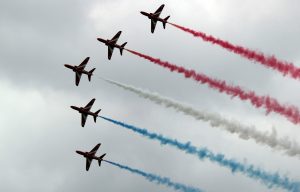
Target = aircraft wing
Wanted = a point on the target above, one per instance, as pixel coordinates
(116, 37)
(88, 163)
(159, 10)
(153, 25)
(110, 51)
(77, 77)
(83, 63)
(90, 104)
(83, 119)
(94, 150)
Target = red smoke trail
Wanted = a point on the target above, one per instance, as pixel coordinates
(284, 67)
(270, 104)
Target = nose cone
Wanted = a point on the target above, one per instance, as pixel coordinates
(101, 40)
(143, 13)
(80, 153)
(68, 66)
(73, 107)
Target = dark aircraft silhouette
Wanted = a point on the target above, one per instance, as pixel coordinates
(155, 17)
(111, 44)
(85, 111)
(91, 155)
(79, 70)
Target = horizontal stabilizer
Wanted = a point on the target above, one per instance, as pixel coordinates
(165, 21)
(122, 47)
(91, 73)
(96, 115)
(100, 159)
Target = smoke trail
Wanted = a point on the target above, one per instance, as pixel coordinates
(270, 104)
(215, 120)
(269, 179)
(155, 178)
(283, 67)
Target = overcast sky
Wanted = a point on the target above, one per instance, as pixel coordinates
(39, 133)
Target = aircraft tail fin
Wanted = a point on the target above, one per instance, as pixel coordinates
(122, 47)
(91, 73)
(100, 159)
(165, 21)
(96, 115)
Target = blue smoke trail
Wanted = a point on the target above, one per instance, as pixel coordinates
(269, 179)
(155, 178)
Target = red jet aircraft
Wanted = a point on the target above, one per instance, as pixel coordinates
(155, 17)
(79, 70)
(111, 44)
(91, 155)
(85, 111)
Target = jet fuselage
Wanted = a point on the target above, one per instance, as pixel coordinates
(152, 16)
(83, 110)
(109, 43)
(87, 155)
(77, 69)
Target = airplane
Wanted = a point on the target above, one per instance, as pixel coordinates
(91, 155)
(79, 70)
(85, 111)
(111, 44)
(155, 17)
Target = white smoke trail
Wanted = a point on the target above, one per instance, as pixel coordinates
(290, 148)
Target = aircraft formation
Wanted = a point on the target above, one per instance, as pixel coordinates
(291, 113)
(80, 69)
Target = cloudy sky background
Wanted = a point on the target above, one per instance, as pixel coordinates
(39, 133)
